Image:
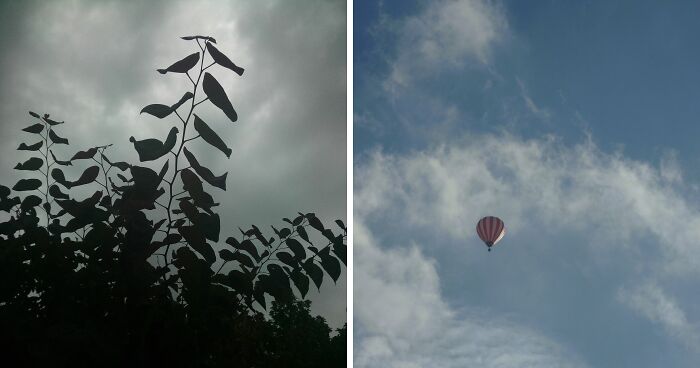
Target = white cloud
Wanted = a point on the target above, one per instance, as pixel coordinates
(652, 302)
(404, 322)
(447, 33)
(540, 187)
(534, 182)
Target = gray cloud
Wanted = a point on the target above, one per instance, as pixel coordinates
(92, 64)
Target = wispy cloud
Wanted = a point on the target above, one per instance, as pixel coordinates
(651, 302)
(445, 34)
(612, 205)
(402, 320)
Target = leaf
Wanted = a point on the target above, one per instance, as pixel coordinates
(301, 282)
(314, 272)
(218, 97)
(158, 110)
(32, 113)
(340, 249)
(297, 248)
(188, 95)
(52, 122)
(331, 265)
(287, 258)
(222, 60)
(163, 171)
(88, 176)
(303, 234)
(119, 165)
(226, 255)
(30, 201)
(285, 232)
(59, 177)
(4, 191)
(36, 128)
(207, 38)
(197, 241)
(341, 224)
(193, 185)
(240, 281)
(246, 245)
(182, 66)
(243, 259)
(62, 163)
(56, 139)
(27, 184)
(210, 136)
(161, 111)
(315, 223)
(83, 155)
(33, 164)
(205, 173)
(152, 149)
(34, 147)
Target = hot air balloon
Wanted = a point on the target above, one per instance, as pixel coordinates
(490, 229)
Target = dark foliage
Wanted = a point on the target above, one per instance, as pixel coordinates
(128, 274)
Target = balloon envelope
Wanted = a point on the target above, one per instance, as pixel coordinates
(491, 230)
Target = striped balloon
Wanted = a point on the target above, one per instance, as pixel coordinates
(490, 229)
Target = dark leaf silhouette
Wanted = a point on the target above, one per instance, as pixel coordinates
(34, 147)
(197, 241)
(153, 149)
(62, 163)
(33, 164)
(161, 111)
(206, 38)
(218, 97)
(32, 113)
(287, 258)
(303, 234)
(183, 65)
(193, 185)
(301, 282)
(56, 139)
(36, 128)
(119, 165)
(27, 184)
(243, 259)
(83, 155)
(296, 247)
(315, 223)
(209, 225)
(59, 177)
(158, 110)
(222, 60)
(30, 201)
(314, 272)
(188, 95)
(205, 173)
(55, 192)
(246, 245)
(341, 224)
(52, 122)
(88, 176)
(210, 136)
(331, 265)
(226, 255)
(4, 191)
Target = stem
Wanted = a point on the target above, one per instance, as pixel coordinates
(179, 150)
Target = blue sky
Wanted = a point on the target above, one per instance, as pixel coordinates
(574, 122)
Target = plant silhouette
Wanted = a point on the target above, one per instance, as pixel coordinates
(125, 276)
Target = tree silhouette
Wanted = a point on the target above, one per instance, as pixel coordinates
(125, 276)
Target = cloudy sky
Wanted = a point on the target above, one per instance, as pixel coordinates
(576, 124)
(93, 64)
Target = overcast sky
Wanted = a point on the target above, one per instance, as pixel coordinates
(576, 123)
(93, 64)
